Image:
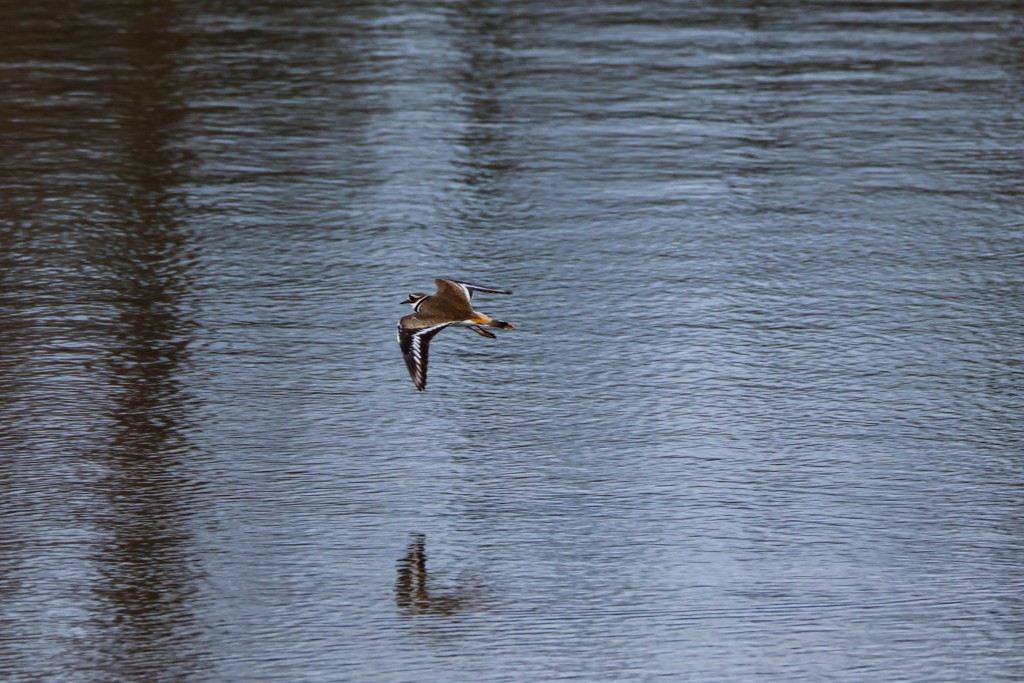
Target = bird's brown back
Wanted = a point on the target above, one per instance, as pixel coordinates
(448, 303)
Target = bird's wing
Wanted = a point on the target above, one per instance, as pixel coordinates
(467, 288)
(415, 343)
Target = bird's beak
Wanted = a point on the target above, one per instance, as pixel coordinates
(408, 300)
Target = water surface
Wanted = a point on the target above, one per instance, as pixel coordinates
(759, 419)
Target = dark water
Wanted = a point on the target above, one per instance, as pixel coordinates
(760, 420)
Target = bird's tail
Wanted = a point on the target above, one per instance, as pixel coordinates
(481, 319)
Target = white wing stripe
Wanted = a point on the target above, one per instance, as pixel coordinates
(469, 288)
(414, 346)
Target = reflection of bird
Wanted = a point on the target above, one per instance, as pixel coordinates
(411, 587)
(449, 305)
(412, 590)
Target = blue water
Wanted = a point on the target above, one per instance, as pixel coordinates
(758, 421)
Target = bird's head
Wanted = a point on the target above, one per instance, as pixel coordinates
(415, 298)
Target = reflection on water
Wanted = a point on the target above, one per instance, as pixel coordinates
(110, 325)
(146, 578)
(414, 593)
(760, 422)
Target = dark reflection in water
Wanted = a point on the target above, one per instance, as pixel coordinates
(414, 593)
(115, 231)
(147, 576)
(487, 48)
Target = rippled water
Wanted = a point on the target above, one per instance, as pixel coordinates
(760, 418)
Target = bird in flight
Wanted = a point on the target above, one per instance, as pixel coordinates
(449, 305)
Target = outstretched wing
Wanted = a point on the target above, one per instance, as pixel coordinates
(468, 288)
(415, 343)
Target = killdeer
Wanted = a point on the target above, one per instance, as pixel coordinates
(449, 305)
